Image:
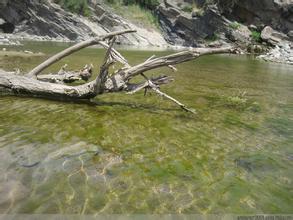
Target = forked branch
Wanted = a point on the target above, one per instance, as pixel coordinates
(34, 84)
(73, 49)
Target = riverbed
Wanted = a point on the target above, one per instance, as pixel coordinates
(124, 153)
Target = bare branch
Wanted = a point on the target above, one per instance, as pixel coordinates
(116, 55)
(153, 87)
(104, 70)
(172, 59)
(137, 87)
(73, 49)
(134, 88)
(67, 76)
(149, 84)
(62, 69)
(173, 68)
(150, 58)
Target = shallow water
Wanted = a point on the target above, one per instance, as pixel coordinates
(134, 154)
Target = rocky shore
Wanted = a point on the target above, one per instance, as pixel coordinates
(263, 28)
(279, 54)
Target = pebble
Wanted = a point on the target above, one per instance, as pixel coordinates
(28, 52)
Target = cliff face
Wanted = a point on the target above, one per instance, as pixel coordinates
(192, 22)
(43, 18)
(183, 28)
(275, 13)
(182, 22)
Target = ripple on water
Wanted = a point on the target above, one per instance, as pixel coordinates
(136, 154)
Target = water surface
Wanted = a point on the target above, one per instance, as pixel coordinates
(134, 154)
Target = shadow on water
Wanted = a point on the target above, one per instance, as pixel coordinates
(96, 102)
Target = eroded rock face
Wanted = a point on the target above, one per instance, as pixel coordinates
(275, 13)
(43, 18)
(217, 22)
(37, 18)
(184, 29)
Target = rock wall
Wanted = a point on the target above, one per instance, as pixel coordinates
(204, 26)
(275, 13)
(43, 18)
(210, 21)
(183, 28)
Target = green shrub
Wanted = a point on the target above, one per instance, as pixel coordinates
(187, 8)
(150, 4)
(135, 12)
(234, 25)
(212, 37)
(75, 6)
(256, 36)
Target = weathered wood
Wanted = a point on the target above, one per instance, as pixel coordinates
(64, 76)
(25, 86)
(49, 86)
(73, 49)
(104, 70)
(172, 59)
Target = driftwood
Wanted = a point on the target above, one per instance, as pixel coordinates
(51, 86)
(64, 76)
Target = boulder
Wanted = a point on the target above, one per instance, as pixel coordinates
(272, 36)
(241, 35)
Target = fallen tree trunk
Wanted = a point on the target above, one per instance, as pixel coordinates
(64, 76)
(51, 86)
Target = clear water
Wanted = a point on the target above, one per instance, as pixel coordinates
(134, 154)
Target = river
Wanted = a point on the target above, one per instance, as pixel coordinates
(124, 153)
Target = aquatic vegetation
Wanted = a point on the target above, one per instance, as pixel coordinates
(257, 163)
(254, 107)
(236, 102)
(240, 102)
(235, 120)
(154, 158)
(281, 125)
